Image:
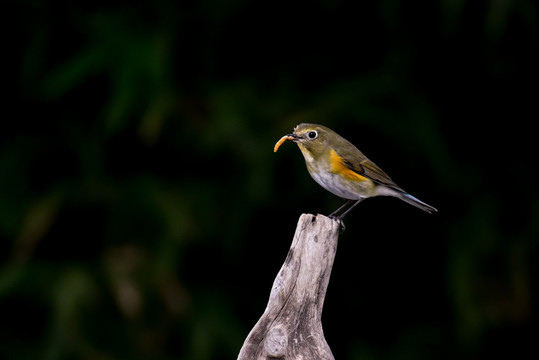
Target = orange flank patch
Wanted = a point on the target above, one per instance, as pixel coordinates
(339, 167)
(281, 141)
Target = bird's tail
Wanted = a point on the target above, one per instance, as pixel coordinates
(417, 203)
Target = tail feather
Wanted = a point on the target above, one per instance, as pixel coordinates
(417, 203)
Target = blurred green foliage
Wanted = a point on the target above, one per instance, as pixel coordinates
(143, 214)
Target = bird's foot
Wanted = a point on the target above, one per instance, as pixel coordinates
(340, 221)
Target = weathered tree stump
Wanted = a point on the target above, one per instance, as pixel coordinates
(291, 327)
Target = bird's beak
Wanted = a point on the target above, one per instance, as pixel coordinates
(294, 137)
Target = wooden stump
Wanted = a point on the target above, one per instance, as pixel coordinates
(291, 327)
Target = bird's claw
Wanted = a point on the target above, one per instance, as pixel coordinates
(339, 220)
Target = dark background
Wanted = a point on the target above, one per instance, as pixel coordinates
(144, 215)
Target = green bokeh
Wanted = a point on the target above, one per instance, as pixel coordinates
(144, 215)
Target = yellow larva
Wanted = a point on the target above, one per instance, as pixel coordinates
(281, 141)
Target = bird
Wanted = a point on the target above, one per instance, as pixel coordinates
(342, 169)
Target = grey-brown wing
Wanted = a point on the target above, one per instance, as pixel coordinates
(372, 171)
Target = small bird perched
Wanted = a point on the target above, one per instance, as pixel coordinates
(339, 167)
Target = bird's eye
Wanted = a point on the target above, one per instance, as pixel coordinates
(312, 134)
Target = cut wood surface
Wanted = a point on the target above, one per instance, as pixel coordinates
(291, 327)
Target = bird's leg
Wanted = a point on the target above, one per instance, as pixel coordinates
(333, 215)
(348, 210)
(340, 217)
